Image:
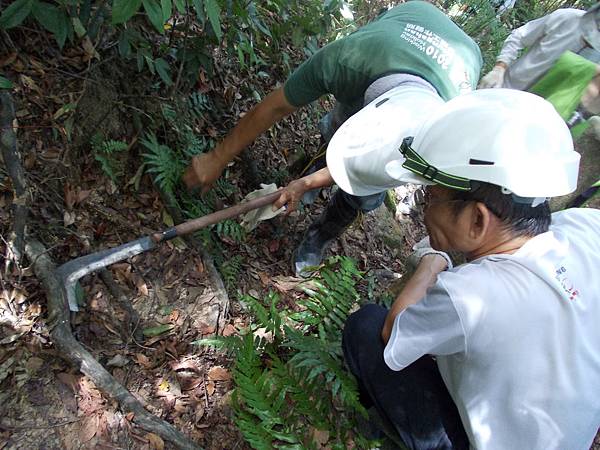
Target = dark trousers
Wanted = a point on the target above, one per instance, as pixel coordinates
(413, 401)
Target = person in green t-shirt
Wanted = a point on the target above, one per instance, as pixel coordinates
(413, 45)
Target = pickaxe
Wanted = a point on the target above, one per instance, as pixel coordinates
(71, 271)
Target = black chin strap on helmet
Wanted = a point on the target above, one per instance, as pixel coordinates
(417, 164)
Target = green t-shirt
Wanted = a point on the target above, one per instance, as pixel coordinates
(414, 38)
(564, 85)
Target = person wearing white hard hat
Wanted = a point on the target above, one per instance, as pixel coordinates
(413, 46)
(499, 352)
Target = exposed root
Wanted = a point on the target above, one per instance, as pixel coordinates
(72, 351)
(8, 145)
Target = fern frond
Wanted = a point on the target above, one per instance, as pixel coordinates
(331, 298)
(231, 229)
(260, 400)
(229, 344)
(105, 152)
(230, 269)
(198, 104)
(268, 317)
(163, 163)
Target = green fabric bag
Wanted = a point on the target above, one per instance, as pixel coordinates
(564, 85)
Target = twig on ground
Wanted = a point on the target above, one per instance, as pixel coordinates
(180, 71)
(132, 318)
(38, 427)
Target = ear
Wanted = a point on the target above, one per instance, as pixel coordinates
(481, 222)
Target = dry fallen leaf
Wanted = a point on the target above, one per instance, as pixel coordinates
(199, 412)
(143, 360)
(34, 363)
(89, 428)
(69, 218)
(156, 442)
(210, 387)
(218, 373)
(321, 437)
(229, 330)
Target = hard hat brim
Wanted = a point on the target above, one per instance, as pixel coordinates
(363, 148)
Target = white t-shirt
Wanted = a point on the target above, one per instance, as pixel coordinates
(517, 339)
(546, 39)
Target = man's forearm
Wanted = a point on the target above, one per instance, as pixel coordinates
(259, 119)
(414, 290)
(320, 178)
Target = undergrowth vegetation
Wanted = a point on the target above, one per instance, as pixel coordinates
(291, 384)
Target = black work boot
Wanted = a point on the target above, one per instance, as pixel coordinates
(331, 223)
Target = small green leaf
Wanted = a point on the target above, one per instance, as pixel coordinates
(165, 310)
(5, 83)
(123, 10)
(15, 13)
(163, 69)
(54, 20)
(199, 7)
(140, 61)
(150, 63)
(124, 45)
(180, 5)
(154, 12)
(213, 12)
(158, 330)
(167, 9)
(78, 27)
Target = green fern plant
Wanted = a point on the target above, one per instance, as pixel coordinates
(294, 382)
(108, 153)
(230, 270)
(163, 162)
(198, 104)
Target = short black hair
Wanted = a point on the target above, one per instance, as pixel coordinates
(520, 219)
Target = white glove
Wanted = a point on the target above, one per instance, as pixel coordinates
(594, 122)
(422, 248)
(494, 78)
(251, 218)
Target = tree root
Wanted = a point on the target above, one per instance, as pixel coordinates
(8, 144)
(71, 350)
(58, 309)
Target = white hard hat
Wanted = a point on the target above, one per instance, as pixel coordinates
(361, 148)
(505, 137)
(590, 26)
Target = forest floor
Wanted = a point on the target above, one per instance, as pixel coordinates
(74, 209)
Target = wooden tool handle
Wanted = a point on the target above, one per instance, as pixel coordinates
(216, 217)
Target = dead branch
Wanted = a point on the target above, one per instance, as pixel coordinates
(8, 144)
(72, 351)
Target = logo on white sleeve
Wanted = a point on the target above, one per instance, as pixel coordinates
(566, 283)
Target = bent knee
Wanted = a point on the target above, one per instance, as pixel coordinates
(366, 323)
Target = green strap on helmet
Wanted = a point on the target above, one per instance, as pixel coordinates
(416, 164)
